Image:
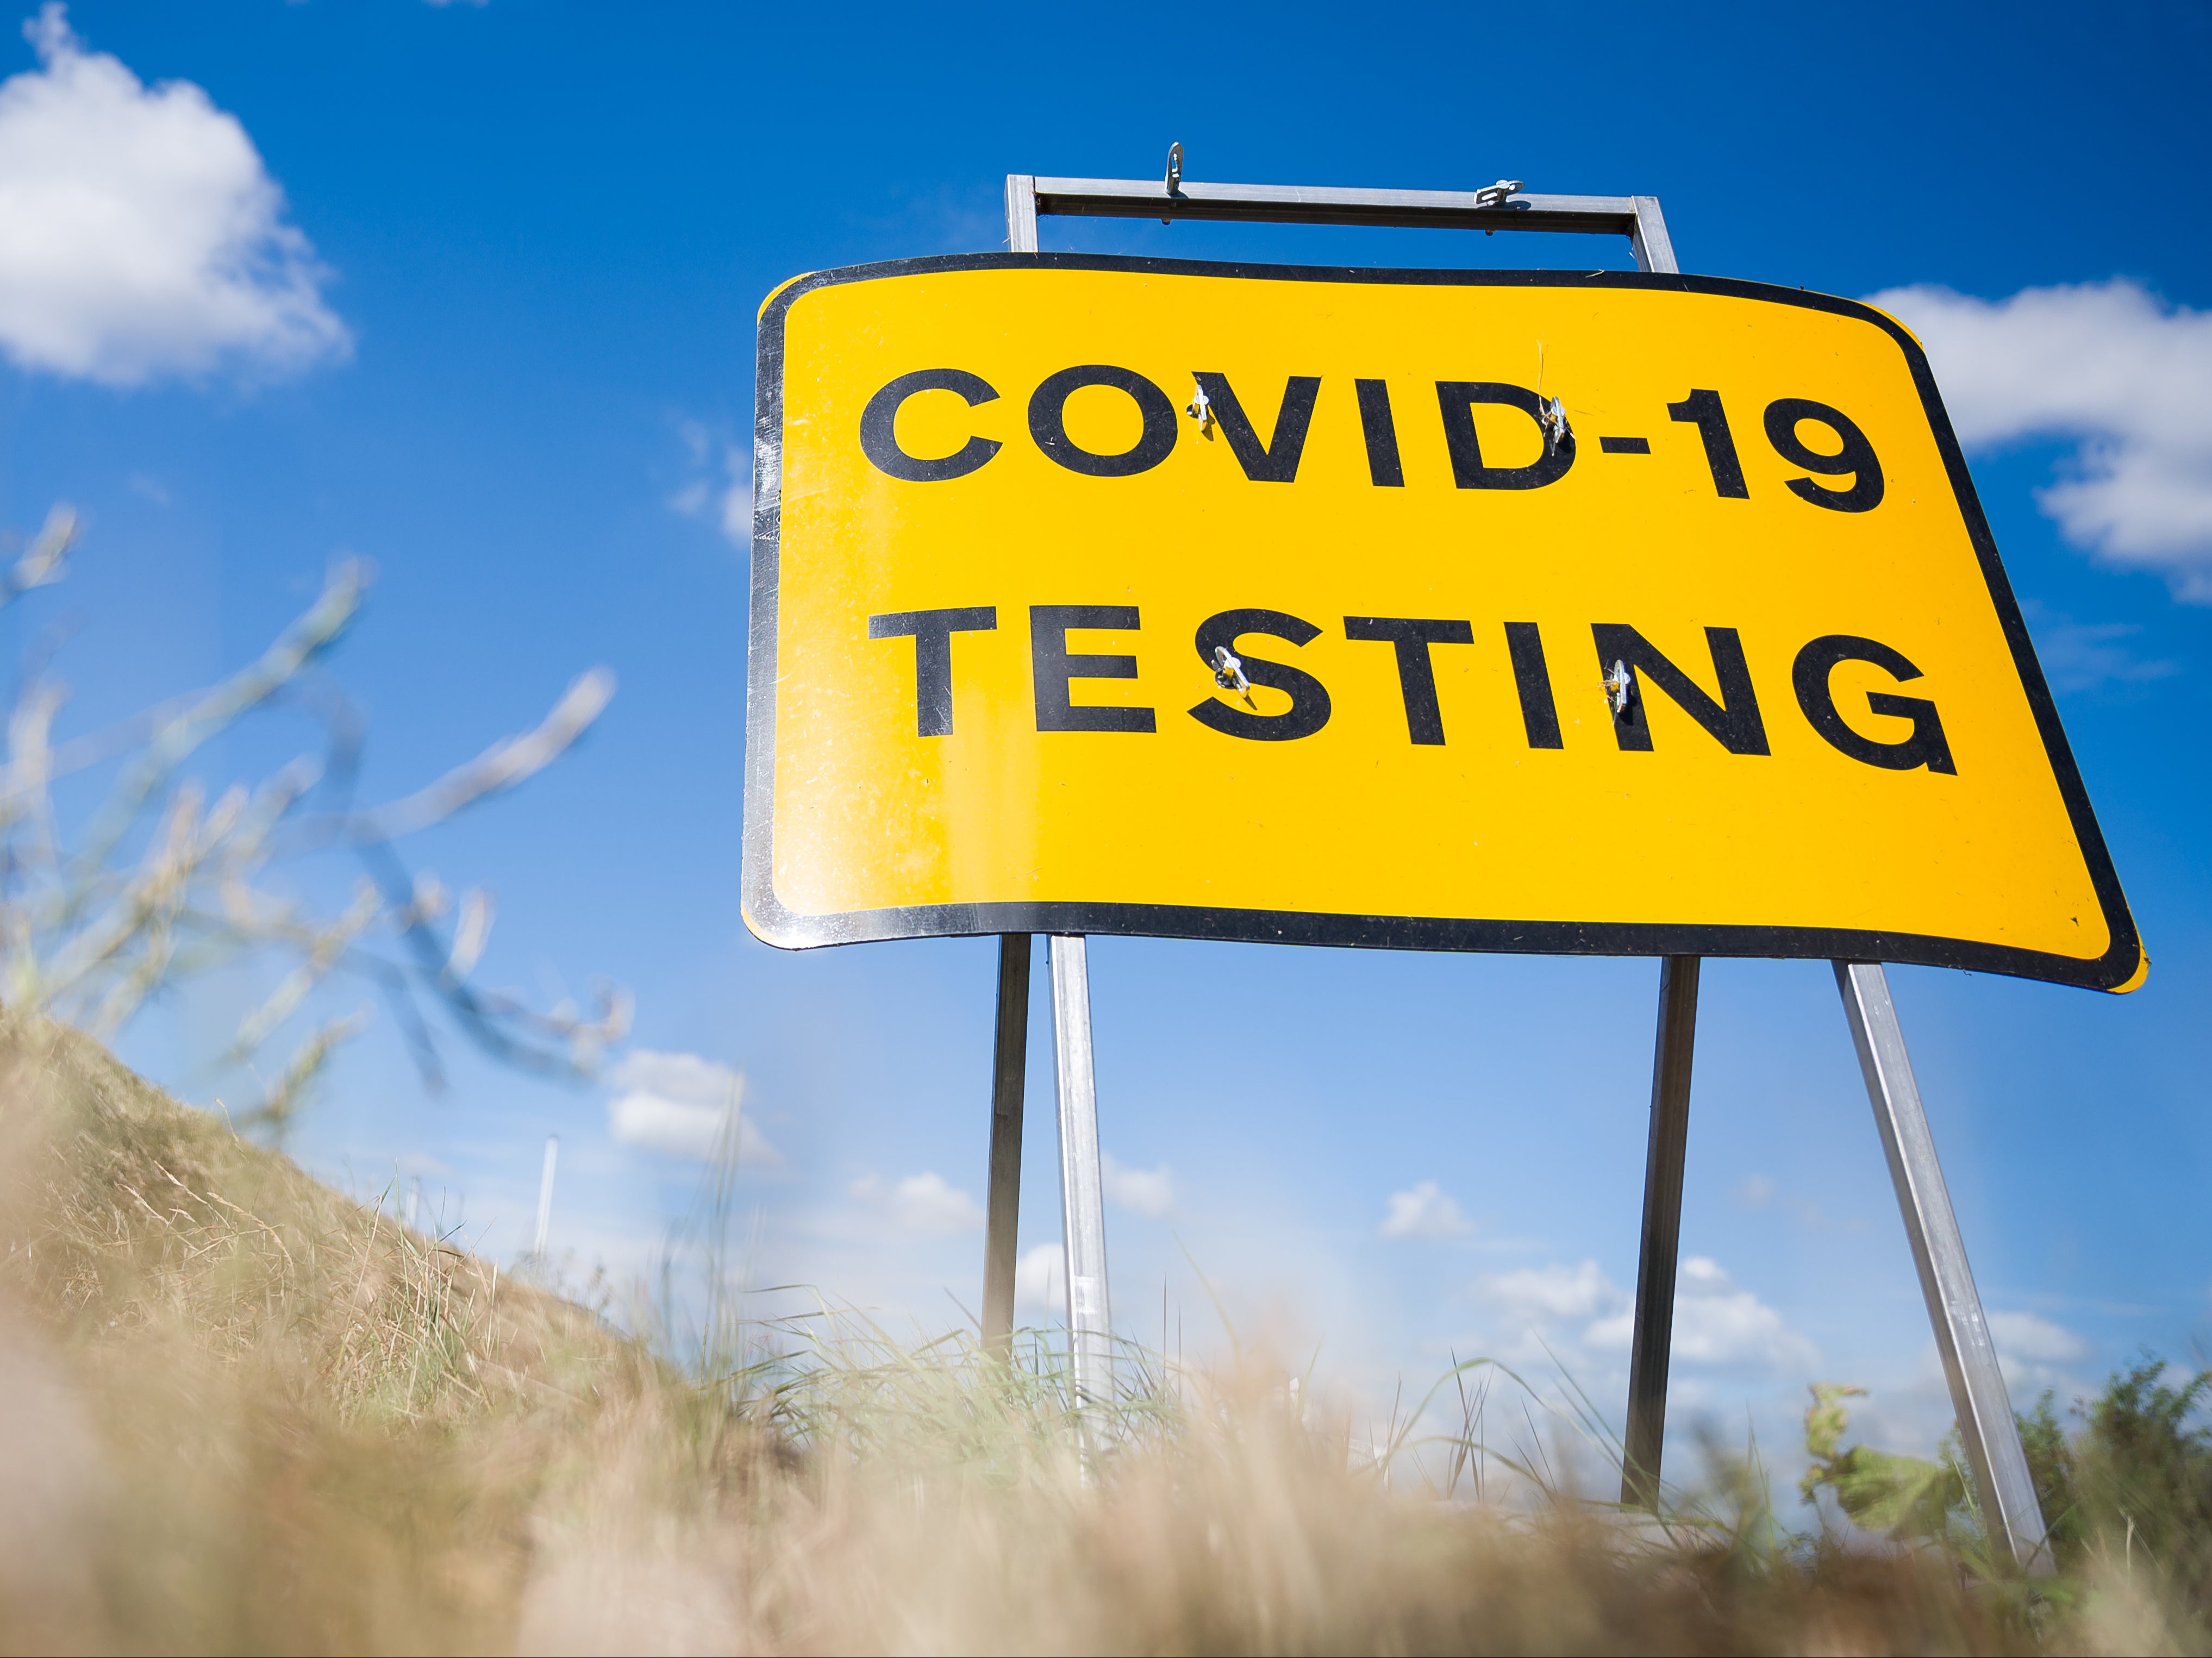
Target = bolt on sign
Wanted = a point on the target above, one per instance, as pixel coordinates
(1534, 611)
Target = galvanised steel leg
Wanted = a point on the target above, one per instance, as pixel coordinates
(1954, 1306)
(1009, 1070)
(1021, 212)
(1662, 1231)
(1670, 1127)
(1082, 1193)
(1011, 1058)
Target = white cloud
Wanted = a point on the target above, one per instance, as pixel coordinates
(1426, 1212)
(1539, 1295)
(1038, 1277)
(2107, 364)
(681, 1104)
(2035, 1354)
(2080, 656)
(719, 483)
(1716, 1321)
(690, 1077)
(140, 234)
(1147, 1191)
(2026, 1336)
(921, 1203)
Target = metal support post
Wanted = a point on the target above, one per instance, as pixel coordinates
(1662, 1231)
(1653, 1345)
(1648, 240)
(1984, 1408)
(1009, 1071)
(545, 1198)
(1082, 1188)
(1082, 1193)
(1021, 212)
(1671, 1122)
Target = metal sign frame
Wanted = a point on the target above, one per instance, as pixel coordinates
(1983, 1408)
(1518, 930)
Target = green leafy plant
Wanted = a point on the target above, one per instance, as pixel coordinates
(2126, 1497)
(1903, 1498)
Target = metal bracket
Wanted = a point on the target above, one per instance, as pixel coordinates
(1493, 207)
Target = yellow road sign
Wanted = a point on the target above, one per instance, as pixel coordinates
(1531, 611)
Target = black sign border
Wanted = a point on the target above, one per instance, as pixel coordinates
(774, 924)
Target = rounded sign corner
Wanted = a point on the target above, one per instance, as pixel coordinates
(2134, 979)
(773, 925)
(778, 292)
(1896, 323)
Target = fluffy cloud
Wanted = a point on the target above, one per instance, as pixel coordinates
(2026, 1336)
(1546, 1294)
(1716, 1321)
(1038, 1277)
(2110, 365)
(1426, 1212)
(921, 1203)
(140, 234)
(1147, 1191)
(682, 1104)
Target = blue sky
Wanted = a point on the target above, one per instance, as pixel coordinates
(470, 290)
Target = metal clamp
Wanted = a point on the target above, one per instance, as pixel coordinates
(1620, 686)
(1496, 195)
(1175, 173)
(1201, 410)
(1228, 674)
(1553, 417)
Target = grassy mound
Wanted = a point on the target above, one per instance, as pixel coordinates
(245, 1414)
(266, 1418)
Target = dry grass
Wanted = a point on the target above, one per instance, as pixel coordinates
(271, 1419)
(245, 1414)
